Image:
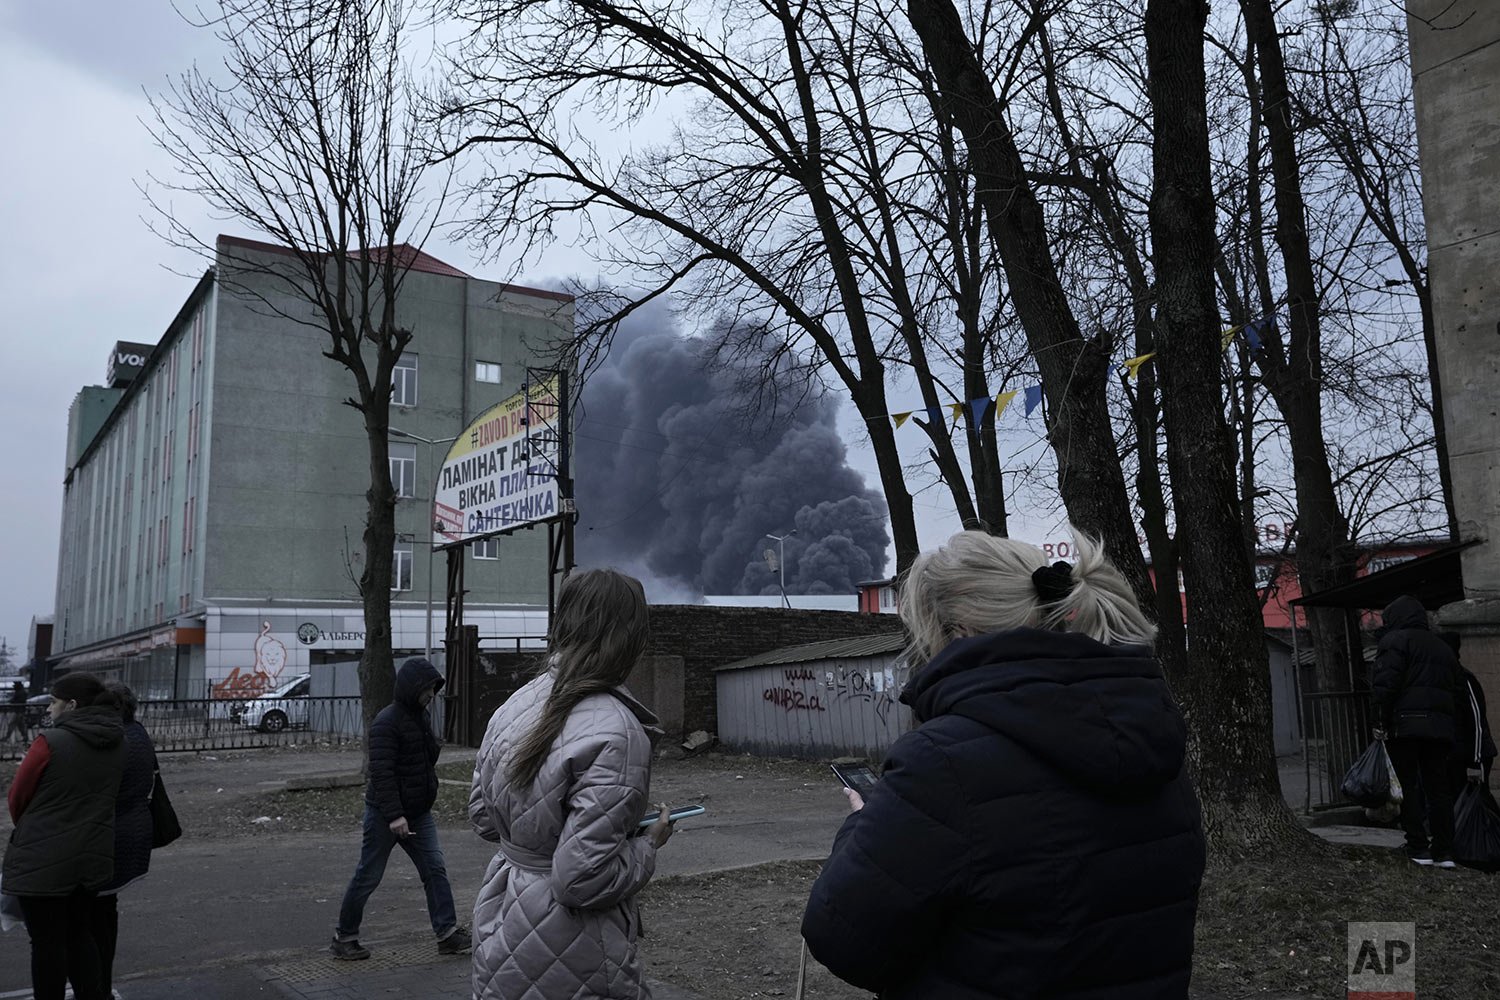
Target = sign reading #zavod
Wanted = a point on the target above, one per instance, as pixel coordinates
(501, 473)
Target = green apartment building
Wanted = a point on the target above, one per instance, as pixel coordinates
(213, 500)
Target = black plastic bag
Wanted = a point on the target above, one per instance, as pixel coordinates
(1476, 828)
(1372, 781)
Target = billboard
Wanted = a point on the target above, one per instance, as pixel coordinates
(501, 474)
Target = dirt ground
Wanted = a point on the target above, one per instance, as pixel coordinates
(730, 935)
(1267, 928)
(1274, 927)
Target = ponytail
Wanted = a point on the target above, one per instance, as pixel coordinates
(1100, 603)
(980, 583)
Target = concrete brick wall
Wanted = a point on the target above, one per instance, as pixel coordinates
(708, 637)
(687, 643)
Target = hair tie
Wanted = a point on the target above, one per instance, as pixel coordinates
(1053, 583)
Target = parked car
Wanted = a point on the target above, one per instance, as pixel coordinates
(280, 708)
(36, 711)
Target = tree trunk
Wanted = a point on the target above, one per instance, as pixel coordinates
(1226, 691)
(377, 674)
(892, 479)
(1090, 478)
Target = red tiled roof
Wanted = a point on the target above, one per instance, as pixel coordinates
(408, 255)
(413, 259)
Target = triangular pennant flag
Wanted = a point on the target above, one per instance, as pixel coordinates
(934, 414)
(1254, 330)
(1002, 401)
(1133, 365)
(957, 409)
(1033, 397)
(980, 408)
(1228, 337)
(901, 418)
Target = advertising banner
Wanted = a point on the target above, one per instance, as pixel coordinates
(501, 473)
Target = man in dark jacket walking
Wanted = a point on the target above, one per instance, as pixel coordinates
(1414, 689)
(1473, 743)
(399, 797)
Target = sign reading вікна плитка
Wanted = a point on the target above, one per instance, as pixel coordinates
(502, 471)
(1382, 960)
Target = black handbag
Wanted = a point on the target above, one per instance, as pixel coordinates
(164, 825)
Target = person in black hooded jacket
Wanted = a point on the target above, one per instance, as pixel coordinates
(1414, 691)
(399, 796)
(1037, 834)
(1473, 743)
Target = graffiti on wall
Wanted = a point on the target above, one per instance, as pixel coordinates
(875, 688)
(794, 699)
(265, 674)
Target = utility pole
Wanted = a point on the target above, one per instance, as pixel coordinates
(780, 541)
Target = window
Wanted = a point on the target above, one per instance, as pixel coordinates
(488, 548)
(1378, 563)
(401, 569)
(404, 381)
(404, 468)
(487, 371)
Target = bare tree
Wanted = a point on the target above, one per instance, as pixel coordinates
(313, 144)
(1228, 702)
(1074, 368)
(806, 192)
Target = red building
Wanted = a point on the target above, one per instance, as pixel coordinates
(1275, 573)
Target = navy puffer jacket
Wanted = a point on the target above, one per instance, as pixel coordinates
(133, 808)
(403, 750)
(1035, 836)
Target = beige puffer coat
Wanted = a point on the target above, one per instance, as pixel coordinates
(556, 916)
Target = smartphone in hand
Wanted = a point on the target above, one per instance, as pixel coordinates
(856, 777)
(676, 813)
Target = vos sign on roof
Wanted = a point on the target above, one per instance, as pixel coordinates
(501, 473)
(126, 362)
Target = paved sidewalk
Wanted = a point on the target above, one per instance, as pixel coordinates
(410, 970)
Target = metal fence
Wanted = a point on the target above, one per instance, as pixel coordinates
(188, 724)
(1336, 729)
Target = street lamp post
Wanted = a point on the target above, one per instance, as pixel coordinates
(780, 541)
(430, 560)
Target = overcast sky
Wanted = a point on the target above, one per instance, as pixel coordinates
(80, 270)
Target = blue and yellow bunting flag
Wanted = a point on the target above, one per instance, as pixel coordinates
(901, 418)
(1003, 400)
(1256, 329)
(1133, 365)
(1033, 397)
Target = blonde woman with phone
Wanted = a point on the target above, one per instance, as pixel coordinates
(1037, 834)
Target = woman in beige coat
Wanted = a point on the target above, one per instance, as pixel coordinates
(560, 785)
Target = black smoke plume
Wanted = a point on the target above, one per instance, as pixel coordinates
(679, 485)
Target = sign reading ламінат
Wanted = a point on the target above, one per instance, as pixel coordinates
(501, 473)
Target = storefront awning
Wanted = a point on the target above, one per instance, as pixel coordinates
(1435, 579)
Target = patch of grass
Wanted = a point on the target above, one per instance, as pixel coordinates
(1267, 927)
(1280, 925)
(324, 810)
